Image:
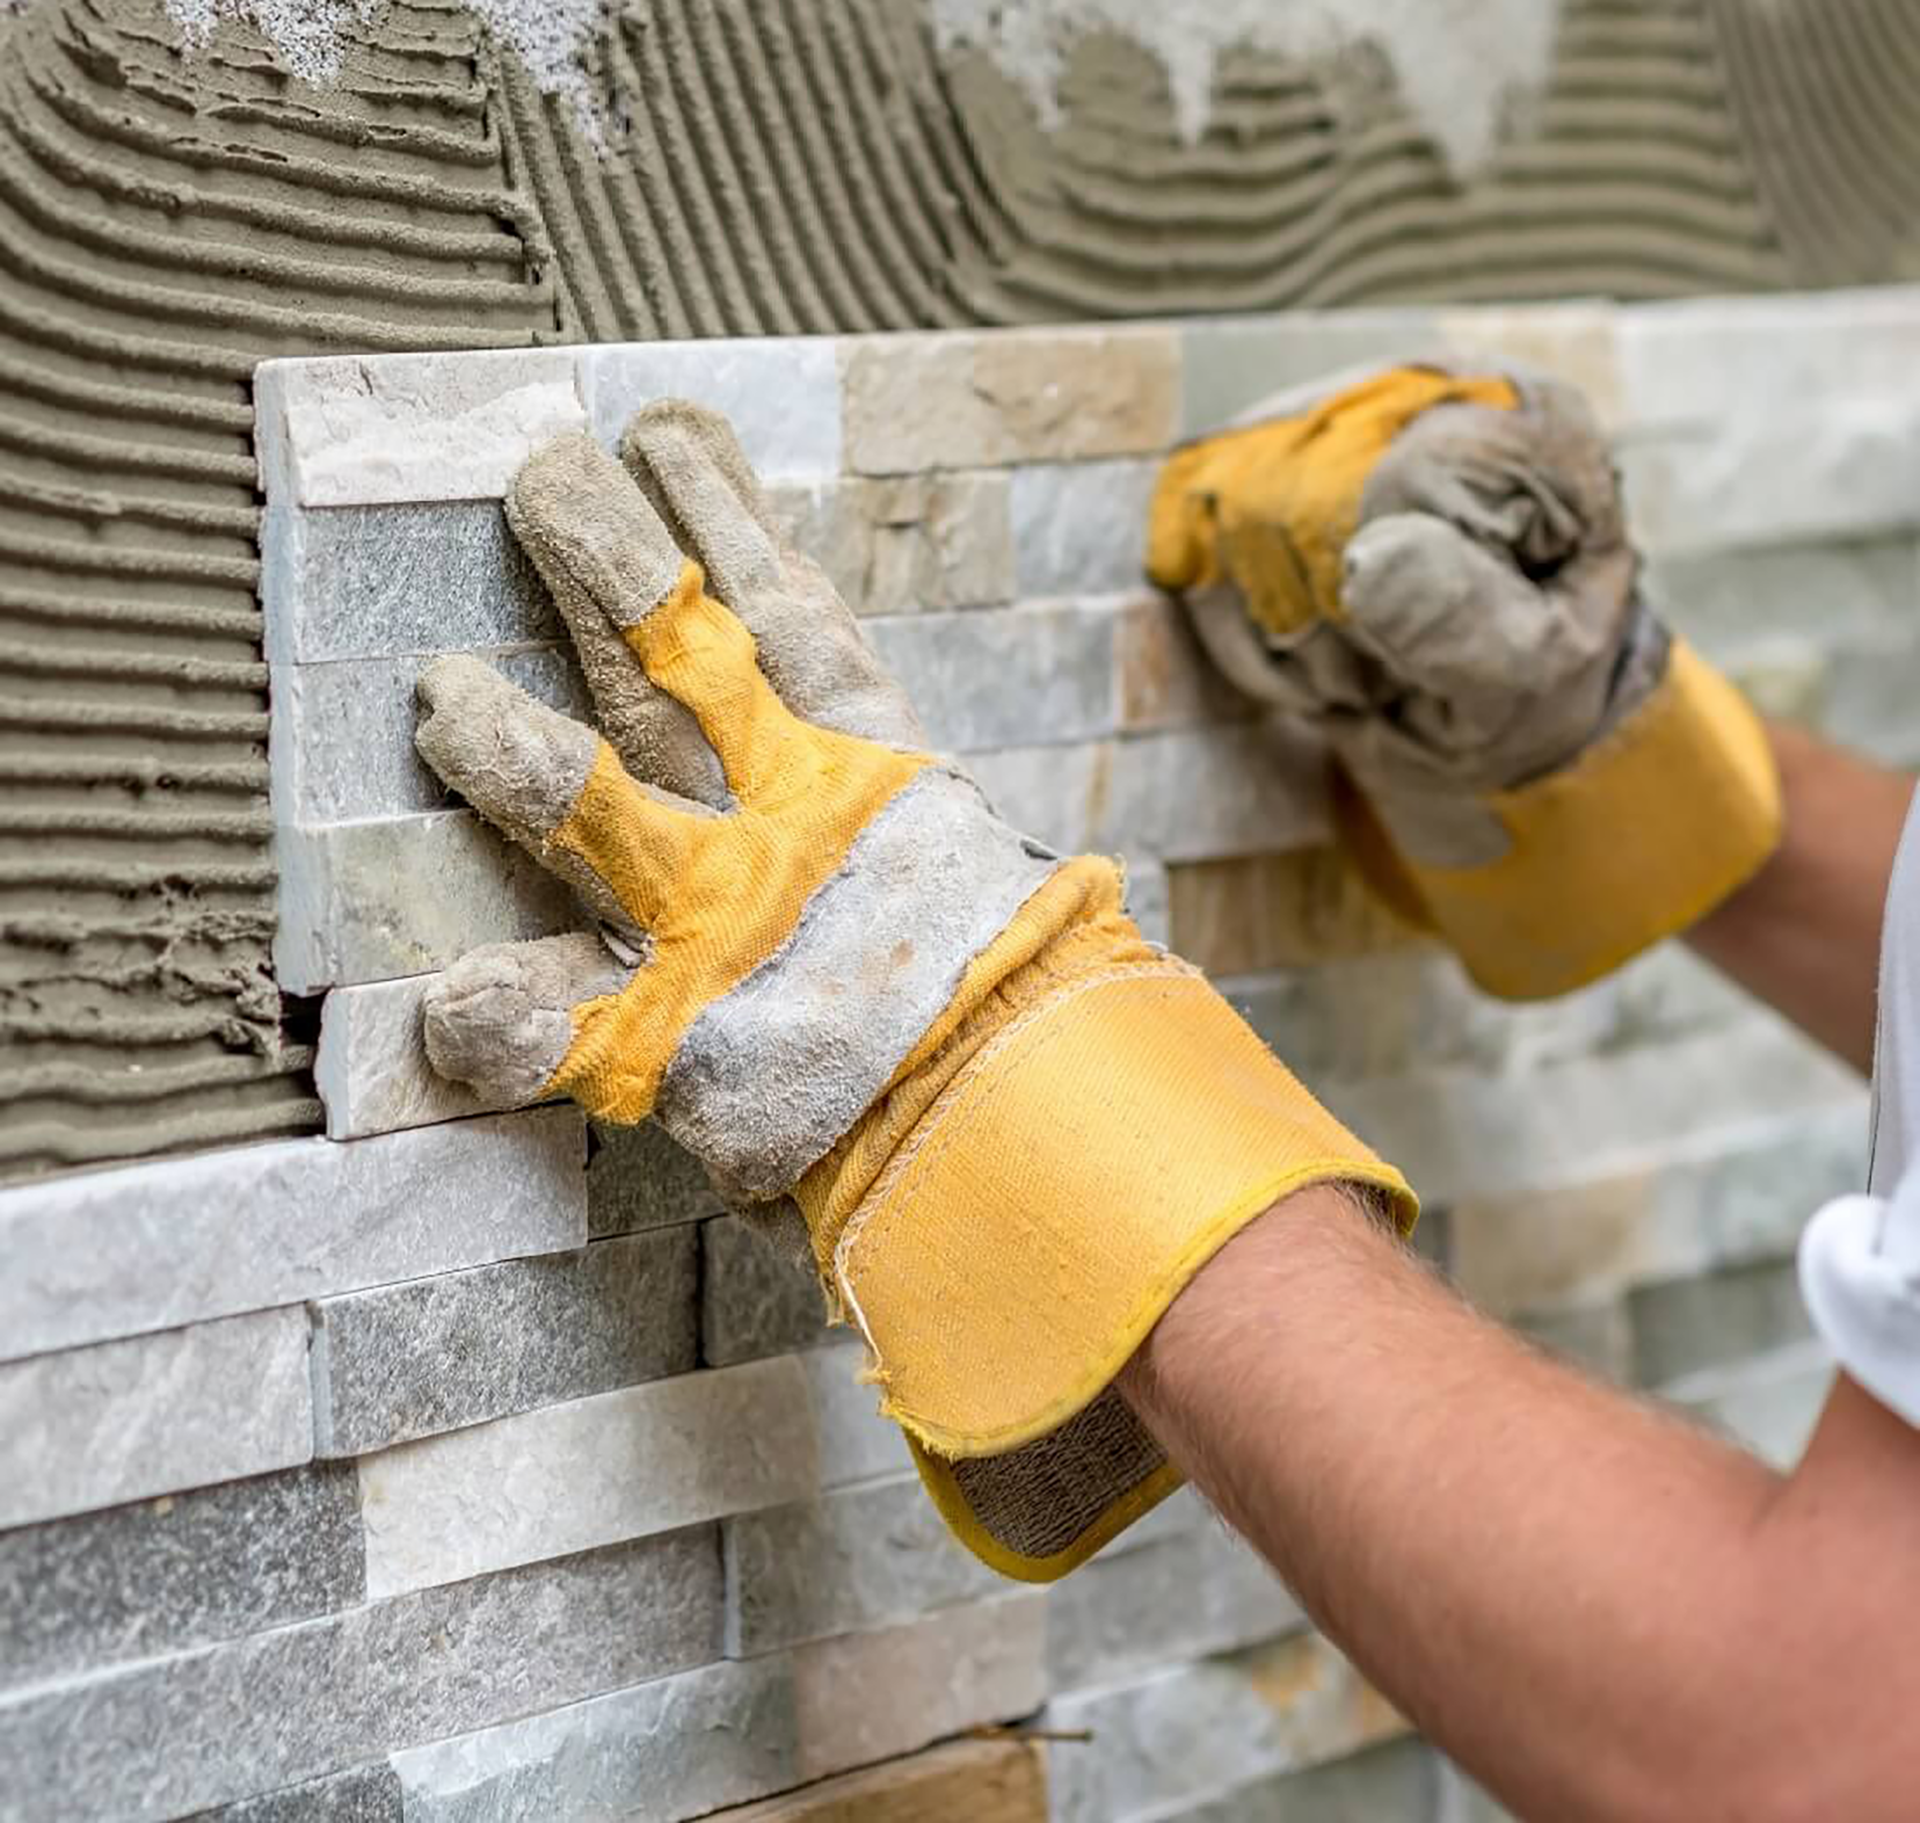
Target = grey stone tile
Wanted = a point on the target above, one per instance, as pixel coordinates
(757, 1296)
(1080, 528)
(93, 1427)
(372, 1070)
(404, 1361)
(349, 430)
(640, 1177)
(183, 1570)
(1185, 1734)
(1228, 366)
(780, 393)
(342, 732)
(998, 676)
(1731, 602)
(153, 1246)
(1716, 1320)
(971, 399)
(847, 1562)
(202, 1728)
(907, 545)
(401, 896)
(378, 581)
(676, 1747)
(627, 1464)
(1202, 1592)
(1399, 1782)
(856, 1443)
(367, 1794)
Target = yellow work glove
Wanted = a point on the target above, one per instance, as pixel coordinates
(1012, 1128)
(1434, 567)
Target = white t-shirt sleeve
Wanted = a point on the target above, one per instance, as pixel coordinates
(1860, 1256)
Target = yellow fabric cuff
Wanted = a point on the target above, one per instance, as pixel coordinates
(1649, 829)
(1062, 1190)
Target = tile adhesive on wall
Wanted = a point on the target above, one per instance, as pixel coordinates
(174, 208)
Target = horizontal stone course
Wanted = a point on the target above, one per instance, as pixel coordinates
(182, 1570)
(346, 431)
(372, 1070)
(119, 1421)
(404, 1361)
(762, 1725)
(759, 1294)
(1186, 1596)
(384, 581)
(367, 1794)
(1186, 1733)
(968, 400)
(849, 1561)
(615, 1466)
(376, 900)
(909, 544)
(640, 1177)
(154, 1246)
(164, 1737)
(1686, 1326)
(1080, 528)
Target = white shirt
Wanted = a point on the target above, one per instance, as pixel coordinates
(1860, 1256)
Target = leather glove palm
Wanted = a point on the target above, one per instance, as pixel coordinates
(1434, 567)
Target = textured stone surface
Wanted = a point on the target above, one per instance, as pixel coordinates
(1397, 1782)
(1687, 1325)
(372, 1070)
(757, 1297)
(1184, 794)
(918, 402)
(907, 544)
(1052, 672)
(1468, 1139)
(847, 1562)
(1165, 679)
(403, 896)
(675, 1747)
(153, 1246)
(640, 1177)
(342, 732)
(374, 582)
(404, 1361)
(1743, 1202)
(782, 395)
(1729, 602)
(1079, 528)
(91, 1427)
(856, 1443)
(960, 1782)
(619, 1465)
(1187, 1596)
(367, 1794)
(1227, 367)
(160, 1575)
(412, 427)
(1190, 1733)
(163, 1737)
(868, 1696)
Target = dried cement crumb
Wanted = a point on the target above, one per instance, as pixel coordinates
(550, 36)
(1459, 63)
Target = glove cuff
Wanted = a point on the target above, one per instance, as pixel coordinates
(1643, 834)
(1050, 1203)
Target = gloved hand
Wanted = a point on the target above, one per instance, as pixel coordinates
(1012, 1128)
(1434, 566)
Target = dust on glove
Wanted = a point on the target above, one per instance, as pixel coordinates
(1012, 1128)
(1434, 567)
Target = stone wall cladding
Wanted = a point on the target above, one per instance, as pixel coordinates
(480, 1467)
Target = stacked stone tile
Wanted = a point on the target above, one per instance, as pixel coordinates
(476, 1467)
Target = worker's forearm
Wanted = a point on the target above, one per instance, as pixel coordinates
(1804, 933)
(1548, 1579)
